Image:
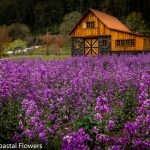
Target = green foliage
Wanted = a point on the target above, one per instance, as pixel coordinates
(135, 22)
(69, 21)
(17, 44)
(54, 29)
(54, 144)
(18, 31)
(4, 40)
(86, 122)
(107, 6)
(33, 40)
(128, 111)
(9, 120)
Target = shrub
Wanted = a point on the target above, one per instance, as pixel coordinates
(18, 31)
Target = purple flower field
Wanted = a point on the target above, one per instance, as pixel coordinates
(80, 103)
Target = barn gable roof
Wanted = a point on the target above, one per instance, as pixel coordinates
(108, 20)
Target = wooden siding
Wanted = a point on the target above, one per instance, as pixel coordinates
(146, 43)
(117, 35)
(82, 31)
(100, 29)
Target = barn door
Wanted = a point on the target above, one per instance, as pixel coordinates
(104, 44)
(91, 47)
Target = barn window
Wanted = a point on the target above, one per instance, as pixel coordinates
(122, 42)
(127, 43)
(133, 42)
(130, 42)
(90, 24)
(77, 45)
(118, 43)
(104, 43)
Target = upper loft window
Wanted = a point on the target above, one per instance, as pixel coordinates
(90, 25)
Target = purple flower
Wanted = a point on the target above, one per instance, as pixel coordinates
(20, 125)
(20, 116)
(137, 142)
(17, 137)
(45, 101)
(131, 128)
(115, 147)
(51, 131)
(77, 140)
(42, 136)
(142, 86)
(98, 117)
(52, 96)
(123, 141)
(60, 100)
(34, 120)
(67, 138)
(110, 124)
(101, 138)
(105, 108)
(52, 107)
(52, 117)
(95, 130)
(29, 133)
(146, 144)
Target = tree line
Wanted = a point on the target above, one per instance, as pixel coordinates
(43, 15)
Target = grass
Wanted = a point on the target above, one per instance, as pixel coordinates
(65, 49)
(62, 56)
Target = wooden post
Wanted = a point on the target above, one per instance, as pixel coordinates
(47, 43)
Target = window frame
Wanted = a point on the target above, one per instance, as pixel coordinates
(77, 45)
(90, 24)
(125, 43)
(104, 43)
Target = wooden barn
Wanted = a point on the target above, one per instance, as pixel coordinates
(98, 32)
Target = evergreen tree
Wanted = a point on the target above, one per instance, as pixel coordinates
(41, 14)
(136, 23)
(69, 21)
